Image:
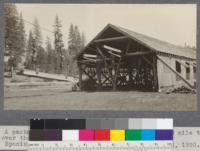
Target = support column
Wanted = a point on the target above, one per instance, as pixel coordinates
(130, 75)
(138, 80)
(114, 82)
(116, 67)
(155, 74)
(114, 78)
(80, 75)
(98, 70)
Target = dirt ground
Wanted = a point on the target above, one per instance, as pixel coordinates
(25, 93)
(57, 96)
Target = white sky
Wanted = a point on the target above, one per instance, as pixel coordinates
(175, 23)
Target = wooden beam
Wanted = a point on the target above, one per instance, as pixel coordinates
(110, 39)
(107, 78)
(127, 48)
(113, 77)
(137, 53)
(175, 56)
(98, 71)
(148, 61)
(130, 75)
(110, 52)
(89, 59)
(90, 76)
(155, 74)
(104, 59)
(112, 49)
(90, 55)
(173, 70)
(101, 53)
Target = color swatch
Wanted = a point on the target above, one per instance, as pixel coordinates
(70, 135)
(117, 135)
(53, 135)
(102, 135)
(86, 135)
(133, 135)
(101, 129)
(148, 135)
(164, 134)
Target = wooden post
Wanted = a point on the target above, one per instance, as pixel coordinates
(114, 74)
(114, 83)
(116, 67)
(98, 71)
(155, 74)
(130, 75)
(80, 75)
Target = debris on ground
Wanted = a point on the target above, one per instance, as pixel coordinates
(183, 89)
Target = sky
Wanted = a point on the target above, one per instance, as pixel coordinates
(174, 23)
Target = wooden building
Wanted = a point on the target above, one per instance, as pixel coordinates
(118, 58)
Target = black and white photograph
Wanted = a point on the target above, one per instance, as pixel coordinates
(112, 57)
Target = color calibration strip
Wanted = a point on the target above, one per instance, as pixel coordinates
(100, 135)
(101, 130)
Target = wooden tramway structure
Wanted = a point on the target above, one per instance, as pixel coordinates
(115, 59)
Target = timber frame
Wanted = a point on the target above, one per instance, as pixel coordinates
(115, 60)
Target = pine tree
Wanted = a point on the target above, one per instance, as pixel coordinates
(30, 51)
(71, 40)
(76, 42)
(71, 47)
(50, 57)
(22, 38)
(37, 47)
(37, 33)
(58, 47)
(13, 36)
(41, 59)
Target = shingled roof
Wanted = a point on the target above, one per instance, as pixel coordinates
(156, 44)
(152, 43)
